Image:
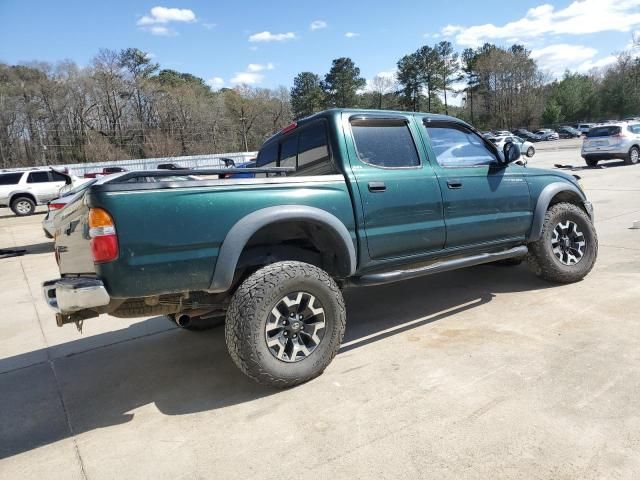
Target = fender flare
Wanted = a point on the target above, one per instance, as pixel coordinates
(243, 230)
(22, 193)
(542, 205)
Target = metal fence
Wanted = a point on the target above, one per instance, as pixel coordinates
(192, 161)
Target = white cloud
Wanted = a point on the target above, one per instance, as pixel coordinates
(318, 24)
(591, 64)
(156, 22)
(250, 78)
(165, 15)
(258, 67)
(271, 37)
(580, 17)
(209, 26)
(216, 83)
(161, 31)
(351, 34)
(560, 57)
(431, 35)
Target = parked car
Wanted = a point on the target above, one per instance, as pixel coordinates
(584, 127)
(57, 204)
(501, 133)
(526, 135)
(23, 190)
(546, 134)
(105, 171)
(525, 146)
(373, 197)
(170, 166)
(569, 132)
(614, 141)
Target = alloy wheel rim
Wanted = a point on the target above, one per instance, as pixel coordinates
(568, 243)
(634, 155)
(295, 327)
(23, 207)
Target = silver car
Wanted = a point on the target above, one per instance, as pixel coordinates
(620, 140)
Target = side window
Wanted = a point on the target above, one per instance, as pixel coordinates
(267, 155)
(38, 177)
(384, 142)
(313, 151)
(58, 178)
(10, 178)
(456, 146)
(289, 152)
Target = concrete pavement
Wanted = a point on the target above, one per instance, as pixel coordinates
(481, 373)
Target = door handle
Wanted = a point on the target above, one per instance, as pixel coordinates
(454, 184)
(376, 187)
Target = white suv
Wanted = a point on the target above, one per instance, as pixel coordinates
(619, 140)
(22, 191)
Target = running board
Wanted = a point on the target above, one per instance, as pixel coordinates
(443, 266)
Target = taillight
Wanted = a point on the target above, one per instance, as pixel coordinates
(56, 206)
(104, 241)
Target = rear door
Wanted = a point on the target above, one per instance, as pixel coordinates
(484, 202)
(400, 203)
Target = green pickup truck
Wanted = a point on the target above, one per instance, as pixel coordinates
(340, 199)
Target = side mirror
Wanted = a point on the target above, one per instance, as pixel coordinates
(511, 152)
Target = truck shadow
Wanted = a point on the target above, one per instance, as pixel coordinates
(104, 378)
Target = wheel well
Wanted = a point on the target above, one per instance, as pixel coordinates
(304, 241)
(26, 195)
(567, 196)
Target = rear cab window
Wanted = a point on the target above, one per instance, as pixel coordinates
(306, 149)
(10, 178)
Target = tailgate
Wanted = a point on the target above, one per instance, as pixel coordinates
(72, 245)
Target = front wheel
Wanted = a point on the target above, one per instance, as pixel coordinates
(633, 156)
(531, 152)
(567, 249)
(285, 324)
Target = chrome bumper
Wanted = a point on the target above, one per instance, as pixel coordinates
(68, 295)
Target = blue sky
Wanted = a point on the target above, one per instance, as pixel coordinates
(266, 43)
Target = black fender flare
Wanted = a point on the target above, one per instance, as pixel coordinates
(542, 205)
(243, 230)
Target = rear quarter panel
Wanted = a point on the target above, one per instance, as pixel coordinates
(170, 238)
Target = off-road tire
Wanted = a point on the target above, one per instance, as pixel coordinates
(249, 311)
(591, 162)
(633, 156)
(545, 264)
(15, 206)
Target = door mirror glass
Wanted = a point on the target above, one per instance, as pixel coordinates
(511, 152)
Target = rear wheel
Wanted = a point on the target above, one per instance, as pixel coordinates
(23, 206)
(633, 156)
(591, 162)
(567, 249)
(531, 152)
(285, 324)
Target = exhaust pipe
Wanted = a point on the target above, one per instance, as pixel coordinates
(183, 320)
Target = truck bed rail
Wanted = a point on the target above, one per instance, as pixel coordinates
(200, 171)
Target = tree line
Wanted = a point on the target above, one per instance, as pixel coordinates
(123, 105)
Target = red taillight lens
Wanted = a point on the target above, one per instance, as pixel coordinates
(56, 206)
(104, 241)
(104, 248)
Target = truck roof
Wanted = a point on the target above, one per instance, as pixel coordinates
(334, 112)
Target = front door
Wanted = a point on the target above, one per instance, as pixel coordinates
(485, 201)
(400, 202)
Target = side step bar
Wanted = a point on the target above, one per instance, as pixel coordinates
(443, 266)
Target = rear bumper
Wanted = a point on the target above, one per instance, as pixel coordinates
(604, 155)
(69, 295)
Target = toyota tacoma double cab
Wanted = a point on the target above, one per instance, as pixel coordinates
(344, 198)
